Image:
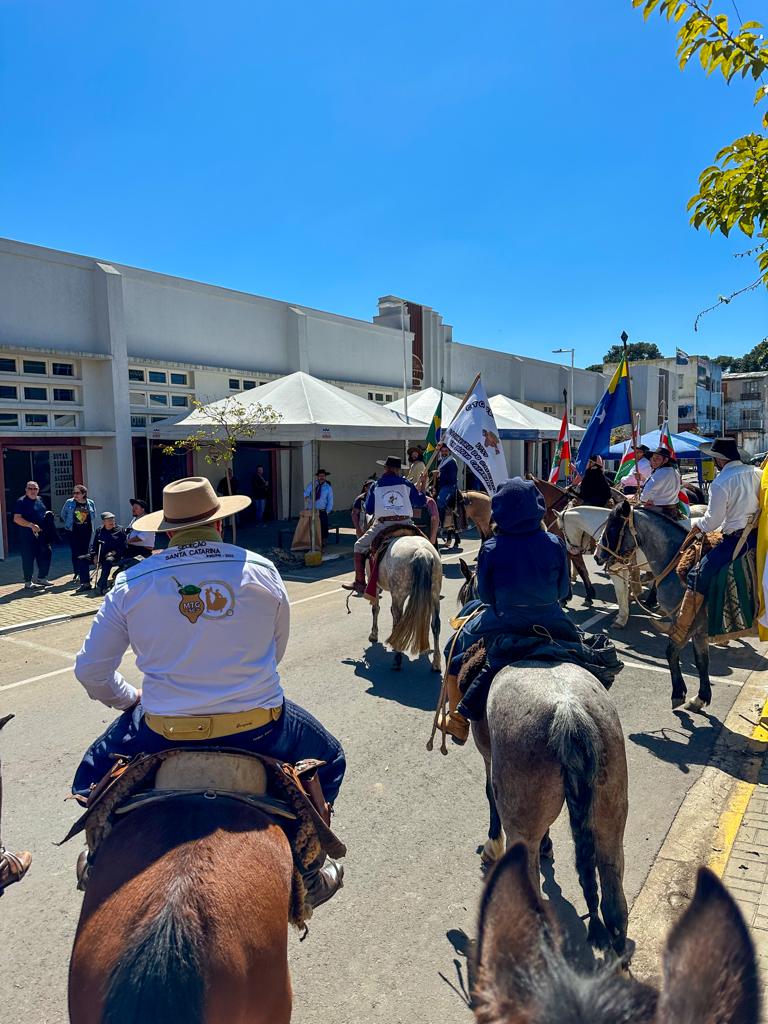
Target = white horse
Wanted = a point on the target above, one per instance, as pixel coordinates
(412, 572)
(584, 524)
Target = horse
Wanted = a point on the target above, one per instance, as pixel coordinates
(710, 969)
(551, 735)
(412, 572)
(185, 919)
(477, 505)
(627, 530)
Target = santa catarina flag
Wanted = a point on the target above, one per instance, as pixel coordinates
(665, 438)
(627, 463)
(474, 437)
(612, 411)
(561, 463)
(433, 437)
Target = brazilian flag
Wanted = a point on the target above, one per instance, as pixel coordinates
(433, 437)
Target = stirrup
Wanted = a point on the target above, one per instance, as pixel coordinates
(15, 865)
(356, 586)
(456, 726)
(323, 883)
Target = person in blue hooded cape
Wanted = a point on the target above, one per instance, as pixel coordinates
(522, 575)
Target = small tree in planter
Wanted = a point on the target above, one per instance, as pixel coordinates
(227, 423)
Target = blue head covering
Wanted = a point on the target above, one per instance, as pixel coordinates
(518, 507)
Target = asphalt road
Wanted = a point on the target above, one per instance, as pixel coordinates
(390, 947)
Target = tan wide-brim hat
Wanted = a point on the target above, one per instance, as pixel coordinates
(191, 501)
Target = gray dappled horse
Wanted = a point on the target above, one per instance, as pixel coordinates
(710, 971)
(660, 539)
(412, 572)
(551, 736)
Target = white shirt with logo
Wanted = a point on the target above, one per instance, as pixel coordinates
(734, 496)
(140, 538)
(208, 623)
(392, 500)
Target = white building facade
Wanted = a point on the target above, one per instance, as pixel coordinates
(95, 355)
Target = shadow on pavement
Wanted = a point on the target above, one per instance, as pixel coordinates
(415, 686)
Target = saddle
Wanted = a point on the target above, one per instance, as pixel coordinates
(378, 550)
(733, 595)
(289, 795)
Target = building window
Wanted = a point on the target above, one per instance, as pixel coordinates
(181, 401)
(249, 385)
(679, 381)
(9, 391)
(62, 369)
(36, 394)
(36, 419)
(370, 396)
(63, 395)
(388, 398)
(159, 419)
(7, 365)
(157, 376)
(179, 378)
(136, 375)
(138, 421)
(158, 399)
(234, 384)
(67, 420)
(549, 408)
(137, 397)
(379, 396)
(9, 419)
(34, 366)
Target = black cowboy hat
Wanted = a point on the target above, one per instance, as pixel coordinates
(644, 448)
(323, 471)
(724, 448)
(665, 452)
(392, 462)
(138, 501)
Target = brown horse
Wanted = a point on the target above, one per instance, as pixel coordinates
(185, 919)
(477, 505)
(710, 972)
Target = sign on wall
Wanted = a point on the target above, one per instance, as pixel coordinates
(62, 478)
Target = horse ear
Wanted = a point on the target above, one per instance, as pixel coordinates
(625, 509)
(466, 572)
(514, 935)
(710, 973)
(5, 720)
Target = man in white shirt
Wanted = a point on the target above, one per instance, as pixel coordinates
(209, 624)
(634, 481)
(734, 503)
(663, 486)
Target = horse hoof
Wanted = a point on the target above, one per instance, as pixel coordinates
(373, 638)
(696, 704)
(677, 702)
(597, 934)
(618, 624)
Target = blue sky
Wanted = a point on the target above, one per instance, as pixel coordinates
(523, 171)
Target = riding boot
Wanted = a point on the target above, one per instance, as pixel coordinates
(686, 614)
(473, 702)
(322, 879)
(454, 723)
(358, 584)
(13, 867)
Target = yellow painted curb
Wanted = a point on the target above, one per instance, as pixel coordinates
(730, 820)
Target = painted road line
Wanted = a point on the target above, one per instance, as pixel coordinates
(36, 647)
(316, 597)
(37, 679)
(733, 815)
(597, 618)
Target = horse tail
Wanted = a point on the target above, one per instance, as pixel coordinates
(159, 975)
(575, 741)
(412, 631)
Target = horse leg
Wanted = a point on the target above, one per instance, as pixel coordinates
(581, 568)
(700, 641)
(679, 690)
(609, 820)
(494, 846)
(374, 634)
(437, 663)
(397, 614)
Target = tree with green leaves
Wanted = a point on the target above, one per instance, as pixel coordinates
(733, 191)
(637, 352)
(222, 425)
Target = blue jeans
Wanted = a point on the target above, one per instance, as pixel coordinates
(294, 736)
(445, 497)
(260, 505)
(700, 578)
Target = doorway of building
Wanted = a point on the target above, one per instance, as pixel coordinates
(247, 459)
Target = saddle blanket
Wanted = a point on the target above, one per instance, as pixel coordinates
(378, 550)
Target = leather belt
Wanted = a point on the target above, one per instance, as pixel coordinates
(393, 519)
(210, 727)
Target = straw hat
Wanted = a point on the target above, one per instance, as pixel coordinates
(191, 502)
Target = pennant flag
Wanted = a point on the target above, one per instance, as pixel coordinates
(665, 437)
(561, 463)
(612, 411)
(474, 438)
(627, 464)
(433, 437)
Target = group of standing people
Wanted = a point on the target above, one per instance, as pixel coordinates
(106, 546)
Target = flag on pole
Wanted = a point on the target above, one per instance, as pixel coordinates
(612, 411)
(474, 438)
(561, 463)
(627, 464)
(681, 358)
(665, 441)
(433, 437)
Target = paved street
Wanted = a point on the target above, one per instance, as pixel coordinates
(388, 948)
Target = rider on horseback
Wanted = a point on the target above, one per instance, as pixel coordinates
(209, 624)
(734, 502)
(663, 486)
(391, 499)
(522, 575)
(447, 487)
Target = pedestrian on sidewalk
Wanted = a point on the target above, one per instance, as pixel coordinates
(260, 494)
(323, 500)
(79, 517)
(28, 515)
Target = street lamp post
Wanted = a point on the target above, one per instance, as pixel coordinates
(570, 393)
(405, 361)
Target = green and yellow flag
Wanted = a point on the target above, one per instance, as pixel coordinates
(433, 437)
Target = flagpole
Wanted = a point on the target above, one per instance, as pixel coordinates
(624, 340)
(433, 456)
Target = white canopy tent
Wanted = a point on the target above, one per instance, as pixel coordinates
(422, 405)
